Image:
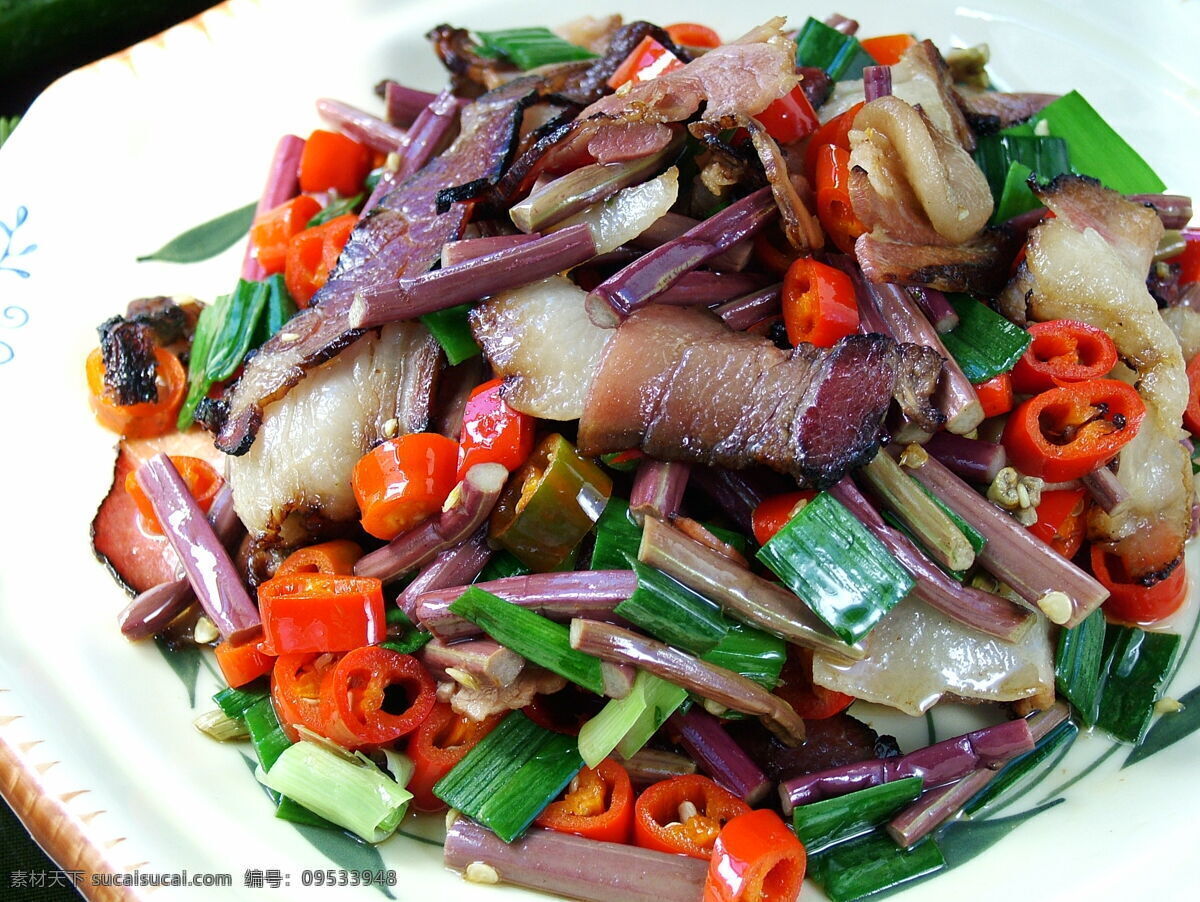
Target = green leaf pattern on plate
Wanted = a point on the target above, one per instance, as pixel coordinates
(207, 239)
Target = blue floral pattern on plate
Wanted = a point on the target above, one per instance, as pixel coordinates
(13, 316)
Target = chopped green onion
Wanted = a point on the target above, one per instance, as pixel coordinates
(996, 154)
(270, 741)
(1023, 771)
(235, 702)
(627, 723)
(231, 342)
(836, 567)
(870, 865)
(617, 537)
(514, 772)
(338, 208)
(404, 637)
(530, 635)
(1016, 197)
(500, 565)
(227, 330)
(347, 790)
(1096, 149)
(756, 655)
(1077, 664)
(984, 343)
(266, 734)
(1136, 666)
(670, 611)
(821, 825)
(280, 308)
(529, 48)
(840, 55)
(453, 332)
(218, 725)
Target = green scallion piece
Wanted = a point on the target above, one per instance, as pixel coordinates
(514, 772)
(266, 734)
(840, 55)
(837, 568)
(348, 790)
(235, 702)
(227, 330)
(870, 865)
(532, 636)
(218, 725)
(1044, 155)
(1024, 770)
(338, 208)
(1015, 196)
(270, 741)
(453, 332)
(670, 611)
(280, 308)
(627, 723)
(755, 654)
(1078, 662)
(822, 825)
(529, 48)
(1096, 149)
(405, 638)
(617, 537)
(500, 565)
(1136, 666)
(232, 341)
(984, 343)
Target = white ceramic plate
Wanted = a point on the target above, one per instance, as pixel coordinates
(114, 159)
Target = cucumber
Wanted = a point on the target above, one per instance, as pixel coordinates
(43, 39)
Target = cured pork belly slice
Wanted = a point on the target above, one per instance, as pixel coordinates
(741, 78)
(680, 385)
(138, 559)
(633, 373)
(989, 111)
(402, 235)
(921, 78)
(294, 483)
(1089, 263)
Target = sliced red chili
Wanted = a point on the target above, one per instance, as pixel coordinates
(316, 612)
(356, 702)
(1131, 602)
(598, 805)
(1061, 523)
(796, 687)
(1069, 431)
(684, 815)
(296, 691)
(1063, 350)
(440, 742)
(756, 859)
(996, 395)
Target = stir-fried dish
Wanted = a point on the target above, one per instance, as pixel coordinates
(580, 442)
